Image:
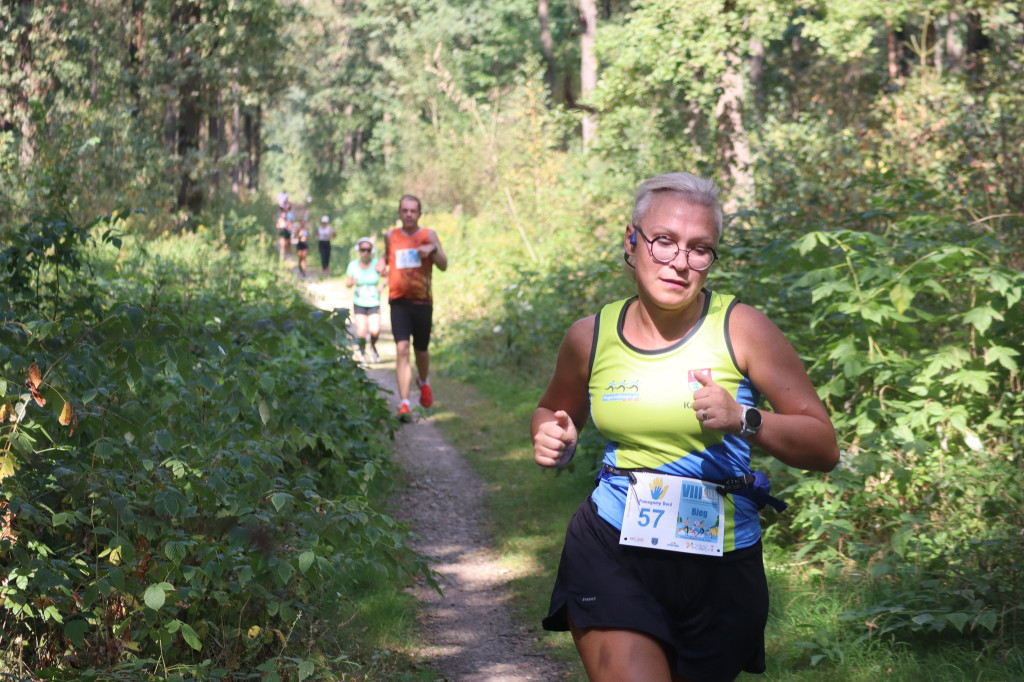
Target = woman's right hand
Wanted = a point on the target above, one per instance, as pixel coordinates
(554, 439)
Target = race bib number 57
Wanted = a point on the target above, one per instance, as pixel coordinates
(673, 513)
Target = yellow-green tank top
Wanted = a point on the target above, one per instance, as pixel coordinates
(642, 403)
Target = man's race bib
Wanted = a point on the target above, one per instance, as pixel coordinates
(407, 258)
(673, 513)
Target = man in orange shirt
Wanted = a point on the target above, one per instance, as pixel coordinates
(410, 253)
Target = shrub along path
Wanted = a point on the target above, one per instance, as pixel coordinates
(468, 633)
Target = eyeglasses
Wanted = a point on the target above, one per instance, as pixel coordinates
(664, 251)
(366, 250)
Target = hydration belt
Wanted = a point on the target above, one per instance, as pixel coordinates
(754, 486)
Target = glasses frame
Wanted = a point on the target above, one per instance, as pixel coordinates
(650, 250)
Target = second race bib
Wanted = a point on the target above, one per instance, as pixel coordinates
(407, 258)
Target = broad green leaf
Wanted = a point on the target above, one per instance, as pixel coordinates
(306, 560)
(163, 439)
(959, 620)
(75, 631)
(155, 595)
(264, 411)
(8, 465)
(176, 551)
(1003, 355)
(103, 451)
(281, 500)
(974, 380)
(901, 296)
(190, 637)
(987, 619)
(981, 317)
(285, 571)
(306, 668)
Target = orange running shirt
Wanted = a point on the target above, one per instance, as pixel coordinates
(408, 273)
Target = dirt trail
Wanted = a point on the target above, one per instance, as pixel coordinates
(469, 633)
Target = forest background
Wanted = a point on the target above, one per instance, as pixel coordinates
(181, 484)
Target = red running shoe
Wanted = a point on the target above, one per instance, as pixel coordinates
(404, 413)
(426, 397)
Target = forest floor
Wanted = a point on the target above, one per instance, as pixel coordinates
(467, 632)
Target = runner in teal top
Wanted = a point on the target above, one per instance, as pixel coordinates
(362, 275)
(673, 378)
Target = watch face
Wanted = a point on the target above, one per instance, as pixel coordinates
(753, 418)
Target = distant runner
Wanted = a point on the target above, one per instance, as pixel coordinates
(366, 301)
(410, 253)
(324, 234)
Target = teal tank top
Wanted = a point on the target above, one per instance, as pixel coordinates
(642, 403)
(366, 294)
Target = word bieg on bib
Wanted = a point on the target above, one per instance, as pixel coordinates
(407, 258)
(673, 513)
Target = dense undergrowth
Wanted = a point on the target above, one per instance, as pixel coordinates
(909, 321)
(186, 460)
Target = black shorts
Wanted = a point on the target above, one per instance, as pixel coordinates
(708, 613)
(363, 310)
(285, 234)
(302, 246)
(412, 319)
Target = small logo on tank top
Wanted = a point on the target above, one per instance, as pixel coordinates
(621, 391)
(692, 380)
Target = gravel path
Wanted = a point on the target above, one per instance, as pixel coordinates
(469, 633)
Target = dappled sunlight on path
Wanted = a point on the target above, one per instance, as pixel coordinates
(468, 632)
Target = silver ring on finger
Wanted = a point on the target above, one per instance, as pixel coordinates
(704, 414)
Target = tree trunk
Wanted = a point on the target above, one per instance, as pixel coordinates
(954, 46)
(190, 196)
(246, 160)
(257, 149)
(757, 57)
(733, 146)
(588, 66)
(349, 141)
(547, 47)
(184, 15)
(94, 85)
(22, 96)
(892, 56)
(976, 43)
(136, 52)
(236, 162)
(170, 125)
(389, 145)
(218, 143)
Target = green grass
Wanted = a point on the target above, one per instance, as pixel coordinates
(529, 507)
(488, 421)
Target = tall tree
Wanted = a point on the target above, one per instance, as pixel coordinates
(588, 66)
(547, 45)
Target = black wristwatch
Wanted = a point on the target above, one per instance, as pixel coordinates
(750, 422)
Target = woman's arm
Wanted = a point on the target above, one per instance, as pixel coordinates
(798, 432)
(563, 408)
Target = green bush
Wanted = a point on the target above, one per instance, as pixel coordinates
(185, 457)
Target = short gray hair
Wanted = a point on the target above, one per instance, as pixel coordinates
(688, 187)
